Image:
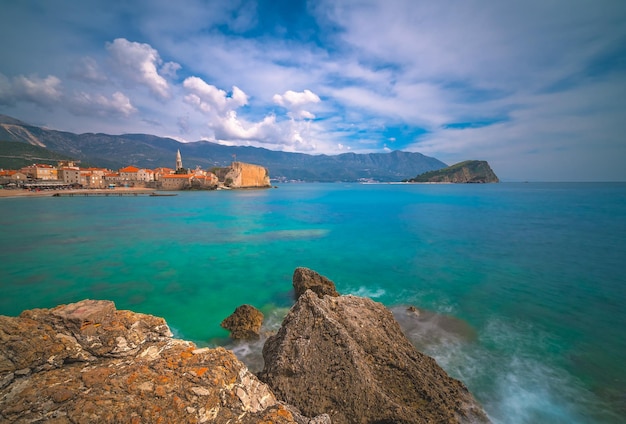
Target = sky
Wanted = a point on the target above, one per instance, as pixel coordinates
(535, 87)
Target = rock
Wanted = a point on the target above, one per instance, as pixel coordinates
(244, 323)
(469, 171)
(245, 175)
(88, 362)
(306, 279)
(347, 357)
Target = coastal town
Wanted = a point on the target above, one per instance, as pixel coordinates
(68, 175)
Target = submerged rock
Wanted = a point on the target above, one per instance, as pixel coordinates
(88, 362)
(347, 356)
(244, 323)
(306, 279)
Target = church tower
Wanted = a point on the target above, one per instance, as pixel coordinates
(179, 161)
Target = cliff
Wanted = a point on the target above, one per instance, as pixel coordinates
(245, 175)
(471, 171)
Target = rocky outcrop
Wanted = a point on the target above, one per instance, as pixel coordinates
(470, 171)
(339, 358)
(306, 279)
(246, 175)
(88, 362)
(244, 323)
(347, 356)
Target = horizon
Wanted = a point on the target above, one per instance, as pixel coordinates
(506, 180)
(538, 90)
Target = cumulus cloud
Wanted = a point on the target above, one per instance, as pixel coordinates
(295, 103)
(210, 99)
(99, 105)
(44, 92)
(220, 109)
(87, 70)
(231, 127)
(139, 62)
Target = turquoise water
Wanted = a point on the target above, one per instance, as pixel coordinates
(532, 274)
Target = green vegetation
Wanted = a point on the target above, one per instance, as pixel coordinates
(149, 151)
(16, 155)
(469, 171)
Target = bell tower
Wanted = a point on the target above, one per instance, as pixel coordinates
(179, 161)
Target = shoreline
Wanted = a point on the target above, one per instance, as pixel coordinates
(10, 193)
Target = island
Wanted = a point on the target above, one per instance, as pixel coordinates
(469, 171)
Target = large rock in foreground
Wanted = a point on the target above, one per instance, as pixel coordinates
(306, 279)
(347, 356)
(88, 362)
(244, 323)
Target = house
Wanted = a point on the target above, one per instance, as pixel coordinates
(129, 173)
(175, 181)
(112, 179)
(159, 172)
(69, 174)
(11, 177)
(40, 171)
(94, 177)
(145, 175)
(208, 181)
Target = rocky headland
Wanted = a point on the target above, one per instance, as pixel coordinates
(340, 359)
(469, 171)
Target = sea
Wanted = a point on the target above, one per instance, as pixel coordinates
(520, 287)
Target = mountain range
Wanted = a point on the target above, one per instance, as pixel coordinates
(150, 151)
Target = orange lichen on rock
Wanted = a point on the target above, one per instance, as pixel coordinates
(201, 371)
(88, 362)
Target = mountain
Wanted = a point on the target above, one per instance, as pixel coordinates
(15, 155)
(470, 171)
(149, 151)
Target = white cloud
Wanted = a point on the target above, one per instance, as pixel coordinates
(170, 69)
(87, 70)
(568, 135)
(210, 99)
(44, 92)
(295, 103)
(220, 109)
(509, 75)
(98, 105)
(138, 62)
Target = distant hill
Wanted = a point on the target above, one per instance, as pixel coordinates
(15, 155)
(470, 171)
(149, 151)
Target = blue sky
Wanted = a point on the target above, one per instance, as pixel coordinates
(537, 88)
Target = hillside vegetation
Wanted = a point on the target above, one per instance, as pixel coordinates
(149, 151)
(470, 171)
(15, 155)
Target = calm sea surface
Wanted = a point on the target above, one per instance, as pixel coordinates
(526, 281)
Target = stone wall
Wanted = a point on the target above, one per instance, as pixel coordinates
(244, 175)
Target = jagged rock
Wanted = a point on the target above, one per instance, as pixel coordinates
(244, 323)
(88, 362)
(306, 279)
(346, 356)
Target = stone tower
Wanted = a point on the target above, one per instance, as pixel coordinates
(179, 161)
